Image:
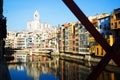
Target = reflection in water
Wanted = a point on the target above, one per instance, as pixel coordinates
(44, 68)
(35, 68)
(111, 74)
(73, 71)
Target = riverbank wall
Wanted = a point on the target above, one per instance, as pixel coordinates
(87, 58)
(77, 57)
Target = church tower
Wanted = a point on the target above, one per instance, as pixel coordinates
(36, 15)
(35, 24)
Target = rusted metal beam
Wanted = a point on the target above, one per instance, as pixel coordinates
(89, 26)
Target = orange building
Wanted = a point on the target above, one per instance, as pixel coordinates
(115, 23)
(115, 19)
(74, 39)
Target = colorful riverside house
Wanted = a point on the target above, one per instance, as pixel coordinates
(37, 41)
(74, 39)
(10, 40)
(115, 23)
(92, 42)
(29, 42)
(83, 42)
(34, 40)
(21, 39)
(62, 38)
(102, 24)
(69, 38)
(80, 39)
(104, 29)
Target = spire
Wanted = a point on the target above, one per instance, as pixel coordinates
(36, 15)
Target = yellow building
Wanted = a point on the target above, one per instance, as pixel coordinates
(115, 23)
(102, 24)
(93, 45)
(115, 19)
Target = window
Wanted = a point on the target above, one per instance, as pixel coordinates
(66, 42)
(107, 18)
(115, 25)
(105, 27)
(66, 37)
(118, 16)
(111, 23)
(97, 51)
(100, 26)
(77, 49)
(111, 16)
(102, 20)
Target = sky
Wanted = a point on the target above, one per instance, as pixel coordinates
(53, 12)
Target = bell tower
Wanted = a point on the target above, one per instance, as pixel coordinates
(36, 15)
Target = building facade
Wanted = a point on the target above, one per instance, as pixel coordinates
(35, 24)
(69, 38)
(102, 24)
(115, 23)
(73, 38)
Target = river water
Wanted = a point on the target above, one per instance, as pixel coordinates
(55, 68)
